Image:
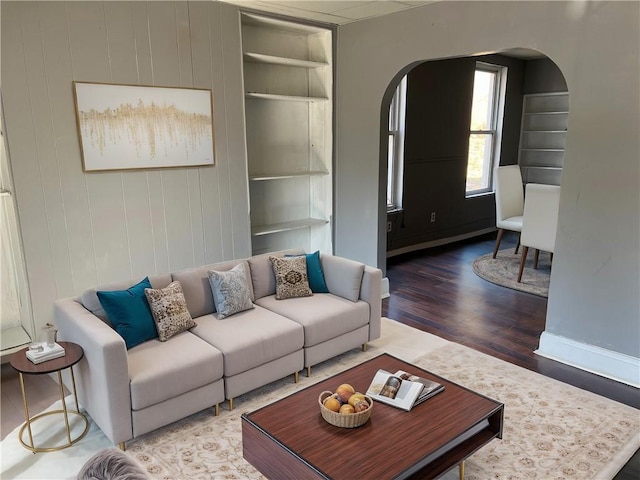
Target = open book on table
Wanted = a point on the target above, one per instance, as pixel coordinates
(401, 389)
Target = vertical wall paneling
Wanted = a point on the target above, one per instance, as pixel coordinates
(141, 45)
(234, 99)
(83, 229)
(121, 35)
(209, 188)
(52, 230)
(15, 91)
(139, 227)
(221, 124)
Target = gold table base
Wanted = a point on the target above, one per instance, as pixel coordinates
(30, 420)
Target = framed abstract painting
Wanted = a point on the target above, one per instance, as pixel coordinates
(129, 127)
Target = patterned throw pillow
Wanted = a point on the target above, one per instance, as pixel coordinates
(291, 277)
(169, 310)
(230, 291)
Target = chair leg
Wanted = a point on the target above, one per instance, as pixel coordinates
(523, 259)
(551, 255)
(498, 240)
(535, 259)
(517, 245)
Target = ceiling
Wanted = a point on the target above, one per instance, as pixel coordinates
(336, 12)
(339, 12)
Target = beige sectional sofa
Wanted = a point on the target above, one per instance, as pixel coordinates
(129, 392)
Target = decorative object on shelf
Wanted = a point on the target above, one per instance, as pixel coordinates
(124, 127)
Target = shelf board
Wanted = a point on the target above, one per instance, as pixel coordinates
(541, 167)
(563, 112)
(286, 98)
(542, 149)
(279, 176)
(289, 62)
(544, 131)
(287, 26)
(286, 226)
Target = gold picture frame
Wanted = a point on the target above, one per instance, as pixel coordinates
(133, 127)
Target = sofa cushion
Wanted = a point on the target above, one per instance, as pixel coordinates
(262, 276)
(250, 338)
(89, 298)
(169, 310)
(129, 313)
(291, 277)
(196, 287)
(162, 370)
(230, 291)
(323, 316)
(315, 274)
(343, 276)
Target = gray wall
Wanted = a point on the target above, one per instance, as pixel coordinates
(596, 276)
(439, 98)
(84, 229)
(543, 76)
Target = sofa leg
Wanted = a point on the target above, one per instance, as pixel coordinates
(121, 446)
(364, 347)
(295, 377)
(230, 404)
(216, 409)
(308, 371)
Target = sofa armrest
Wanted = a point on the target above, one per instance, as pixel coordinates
(102, 376)
(371, 292)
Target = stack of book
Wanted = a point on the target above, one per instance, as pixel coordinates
(41, 352)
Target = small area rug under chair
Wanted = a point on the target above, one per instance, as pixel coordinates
(503, 271)
(552, 430)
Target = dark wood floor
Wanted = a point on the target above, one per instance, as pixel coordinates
(435, 290)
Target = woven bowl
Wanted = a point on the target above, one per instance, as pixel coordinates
(342, 420)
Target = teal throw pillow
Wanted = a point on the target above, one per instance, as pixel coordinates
(129, 313)
(315, 273)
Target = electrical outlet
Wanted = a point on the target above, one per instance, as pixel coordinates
(433, 217)
(389, 226)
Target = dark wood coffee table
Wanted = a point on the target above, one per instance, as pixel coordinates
(290, 439)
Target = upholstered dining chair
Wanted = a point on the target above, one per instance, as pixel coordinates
(509, 202)
(539, 222)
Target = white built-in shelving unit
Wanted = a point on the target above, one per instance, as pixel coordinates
(288, 84)
(545, 119)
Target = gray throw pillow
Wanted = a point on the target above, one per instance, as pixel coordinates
(169, 310)
(230, 291)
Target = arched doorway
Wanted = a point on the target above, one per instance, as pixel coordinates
(437, 207)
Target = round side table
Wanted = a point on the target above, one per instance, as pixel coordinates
(24, 366)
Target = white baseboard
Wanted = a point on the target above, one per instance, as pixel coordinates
(606, 363)
(439, 242)
(385, 288)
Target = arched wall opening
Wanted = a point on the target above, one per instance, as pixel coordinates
(435, 209)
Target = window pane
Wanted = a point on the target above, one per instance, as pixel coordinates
(482, 108)
(479, 161)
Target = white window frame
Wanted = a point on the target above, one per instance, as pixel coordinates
(495, 133)
(395, 156)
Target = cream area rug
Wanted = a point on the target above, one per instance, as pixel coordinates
(503, 271)
(552, 430)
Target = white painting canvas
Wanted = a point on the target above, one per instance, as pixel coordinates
(133, 127)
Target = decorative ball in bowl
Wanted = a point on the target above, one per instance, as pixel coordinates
(345, 407)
